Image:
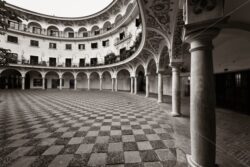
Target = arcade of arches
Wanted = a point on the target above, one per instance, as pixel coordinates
(178, 96)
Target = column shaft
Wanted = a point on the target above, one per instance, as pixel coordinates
(135, 86)
(132, 85)
(112, 84)
(147, 85)
(176, 91)
(23, 83)
(75, 83)
(116, 84)
(60, 86)
(100, 83)
(43, 83)
(160, 87)
(202, 100)
(88, 83)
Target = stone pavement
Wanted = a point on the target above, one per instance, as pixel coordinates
(84, 128)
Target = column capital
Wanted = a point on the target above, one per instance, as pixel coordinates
(201, 39)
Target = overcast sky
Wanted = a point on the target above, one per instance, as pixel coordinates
(65, 8)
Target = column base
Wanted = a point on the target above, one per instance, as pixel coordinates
(174, 114)
(159, 101)
(191, 163)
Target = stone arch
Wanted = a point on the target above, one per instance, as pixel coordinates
(107, 80)
(53, 30)
(82, 80)
(35, 27)
(123, 80)
(33, 79)
(94, 80)
(83, 32)
(152, 74)
(107, 26)
(69, 79)
(11, 78)
(118, 19)
(52, 79)
(67, 32)
(141, 81)
(95, 30)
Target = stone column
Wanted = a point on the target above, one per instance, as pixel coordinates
(176, 90)
(23, 82)
(60, 86)
(202, 101)
(88, 83)
(100, 83)
(132, 85)
(75, 83)
(43, 83)
(135, 89)
(147, 85)
(116, 84)
(112, 84)
(160, 87)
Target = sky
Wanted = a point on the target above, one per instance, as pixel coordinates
(63, 8)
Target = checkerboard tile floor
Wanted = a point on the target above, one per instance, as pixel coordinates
(83, 128)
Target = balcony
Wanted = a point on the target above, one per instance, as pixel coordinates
(118, 41)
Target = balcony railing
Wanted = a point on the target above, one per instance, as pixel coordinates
(119, 41)
(62, 34)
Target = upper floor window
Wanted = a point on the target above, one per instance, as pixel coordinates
(94, 45)
(81, 46)
(12, 39)
(68, 47)
(36, 30)
(34, 43)
(122, 35)
(97, 32)
(13, 25)
(105, 43)
(52, 45)
(71, 34)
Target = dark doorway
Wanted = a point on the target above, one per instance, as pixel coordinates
(54, 83)
(72, 84)
(141, 82)
(233, 91)
(27, 81)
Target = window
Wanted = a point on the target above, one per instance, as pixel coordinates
(52, 61)
(34, 60)
(36, 30)
(97, 32)
(71, 34)
(85, 34)
(94, 45)
(52, 45)
(93, 61)
(82, 63)
(13, 25)
(122, 35)
(34, 43)
(68, 62)
(81, 46)
(105, 43)
(12, 39)
(68, 46)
